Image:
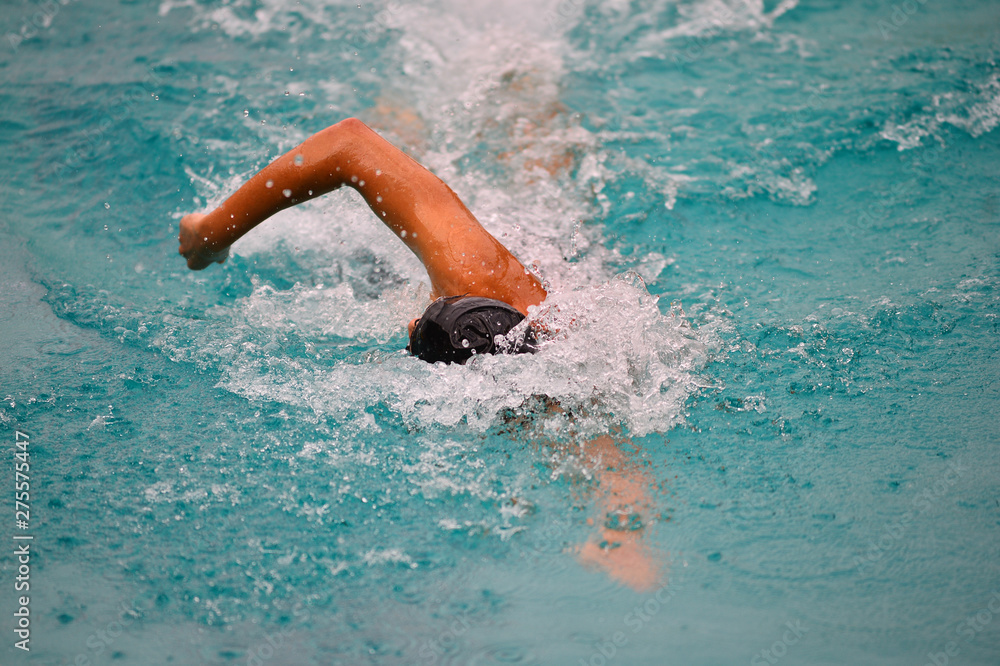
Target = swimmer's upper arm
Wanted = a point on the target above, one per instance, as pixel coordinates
(460, 256)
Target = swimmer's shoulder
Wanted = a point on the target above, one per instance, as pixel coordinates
(479, 265)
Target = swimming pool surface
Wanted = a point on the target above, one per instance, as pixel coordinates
(771, 233)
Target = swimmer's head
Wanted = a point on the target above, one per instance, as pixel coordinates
(453, 329)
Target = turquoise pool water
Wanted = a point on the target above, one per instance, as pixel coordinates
(771, 232)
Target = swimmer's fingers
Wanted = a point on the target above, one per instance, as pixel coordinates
(193, 244)
(200, 261)
(188, 236)
(220, 256)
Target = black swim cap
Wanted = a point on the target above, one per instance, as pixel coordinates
(454, 328)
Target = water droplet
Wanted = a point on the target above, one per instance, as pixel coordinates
(287, 193)
(299, 160)
(402, 234)
(378, 199)
(354, 179)
(105, 227)
(107, 205)
(378, 172)
(465, 343)
(269, 184)
(361, 184)
(246, 113)
(287, 93)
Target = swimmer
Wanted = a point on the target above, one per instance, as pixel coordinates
(482, 291)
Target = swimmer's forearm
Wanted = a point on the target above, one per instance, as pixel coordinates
(310, 170)
(347, 153)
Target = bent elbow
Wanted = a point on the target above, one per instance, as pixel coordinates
(351, 125)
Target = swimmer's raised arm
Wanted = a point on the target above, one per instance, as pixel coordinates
(460, 256)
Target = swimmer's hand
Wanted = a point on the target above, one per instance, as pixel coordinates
(195, 244)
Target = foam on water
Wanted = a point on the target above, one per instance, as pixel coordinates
(637, 376)
(778, 130)
(697, 19)
(326, 350)
(975, 110)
